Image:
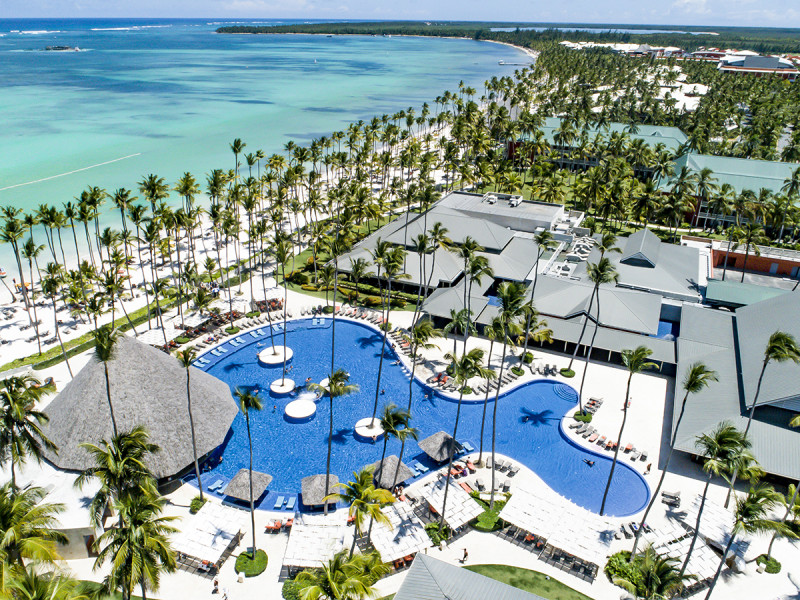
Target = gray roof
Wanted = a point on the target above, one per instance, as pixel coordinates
(312, 489)
(671, 137)
(432, 579)
(148, 387)
(755, 324)
(735, 294)
(386, 478)
(239, 486)
(526, 216)
(649, 265)
(708, 336)
(439, 446)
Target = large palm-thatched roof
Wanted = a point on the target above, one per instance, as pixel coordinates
(439, 446)
(148, 388)
(239, 486)
(313, 489)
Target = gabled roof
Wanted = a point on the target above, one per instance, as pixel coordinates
(432, 579)
(735, 294)
(672, 137)
(641, 249)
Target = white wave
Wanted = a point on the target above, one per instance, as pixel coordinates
(108, 162)
(132, 28)
(39, 32)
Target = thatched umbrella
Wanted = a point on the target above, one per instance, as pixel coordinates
(148, 387)
(313, 489)
(440, 446)
(239, 486)
(385, 477)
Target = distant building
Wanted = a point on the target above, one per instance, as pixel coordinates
(747, 64)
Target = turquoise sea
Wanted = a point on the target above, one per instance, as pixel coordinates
(168, 96)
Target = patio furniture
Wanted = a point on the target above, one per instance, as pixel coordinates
(279, 502)
(480, 484)
(291, 502)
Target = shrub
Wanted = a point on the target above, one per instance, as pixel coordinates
(328, 310)
(398, 303)
(618, 567)
(568, 373)
(297, 277)
(527, 358)
(771, 565)
(372, 301)
(578, 416)
(308, 287)
(517, 371)
(466, 390)
(232, 330)
(437, 536)
(386, 326)
(251, 567)
(197, 504)
(290, 590)
(253, 314)
(181, 340)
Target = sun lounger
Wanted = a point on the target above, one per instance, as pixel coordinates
(601, 441)
(582, 428)
(593, 437)
(279, 502)
(643, 457)
(629, 447)
(467, 446)
(588, 432)
(506, 485)
(420, 467)
(290, 503)
(512, 470)
(465, 486)
(479, 483)
(676, 495)
(471, 467)
(634, 454)
(216, 485)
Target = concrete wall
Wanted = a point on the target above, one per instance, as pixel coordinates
(759, 264)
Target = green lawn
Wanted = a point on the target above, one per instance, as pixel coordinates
(530, 581)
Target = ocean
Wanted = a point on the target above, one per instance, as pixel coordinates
(166, 96)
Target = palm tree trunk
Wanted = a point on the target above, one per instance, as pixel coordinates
(383, 350)
(654, 497)
(486, 400)
(744, 266)
(191, 426)
(530, 312)
(452, 455)
(330, 442)
(696, 527)
(785, 517)
(252, 506)
(58, 335)
(616, 448)
(747, 428)
(583, 329)
(721, 564)
(494, 417)
(589, 355)
(108, 396)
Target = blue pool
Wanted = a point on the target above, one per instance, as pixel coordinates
(528, 420)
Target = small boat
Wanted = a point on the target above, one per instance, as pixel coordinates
(2, 273)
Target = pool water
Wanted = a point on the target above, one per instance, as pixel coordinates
(528, 420)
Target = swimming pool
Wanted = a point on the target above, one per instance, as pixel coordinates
(528, 420)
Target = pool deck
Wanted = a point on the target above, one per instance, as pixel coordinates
(648, 416)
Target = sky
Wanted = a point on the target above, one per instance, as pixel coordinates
(775, 13)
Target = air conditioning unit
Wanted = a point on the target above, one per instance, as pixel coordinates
(515, 201)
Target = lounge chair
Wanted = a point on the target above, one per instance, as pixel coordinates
(593, 437)
(588, 432)
(512, 470)
(501, 465)
(467, 446)
(420, 467)
(643, 457)
(629, 447)
(465, 486)
(279, 502)
(506, 485)
(634, 454)
(216, 485)
(582, 428)
(480, 484)
(290, 503)
(601, 441)
(676, 495)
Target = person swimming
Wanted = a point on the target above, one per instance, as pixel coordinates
(588, 462)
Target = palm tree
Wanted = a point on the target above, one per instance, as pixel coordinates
(697, 378)
(719, 447)
(248, 401)
(30, 252)
(51, 285)
(751, 234)
(342, 578)
(27, 527)
(493, 332)
(364, 499)
(139, 548)
(752, 516)
(21, 423)
(120, 465)
(468, 365)
(636, 362)
(781, 347)
(30, 584)
(283, 251)
(105, 341)
(337, 386)
(186, 358)
(512, 309)
(600, 273)
(653, 577)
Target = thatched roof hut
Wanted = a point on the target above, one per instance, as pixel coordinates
(440, 446)
(385, 477)
(148, 388)
(239, 486)
(312, 489)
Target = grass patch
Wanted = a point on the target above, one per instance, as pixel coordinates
(568, 373)
(527, 358)
(489, 520)
(232, 330)
(250, 567)
(578, 416)
(530, 581)
(437, 536)
(466, 390)
(196, 504)
(771, 565)
(253, 314)
(517, 371)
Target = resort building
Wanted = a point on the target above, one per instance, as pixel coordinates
(758, 66)
(779, 262)
(148, 388)
(732, 344)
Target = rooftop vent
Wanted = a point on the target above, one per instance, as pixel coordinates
(515, 201)
(490, 198)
